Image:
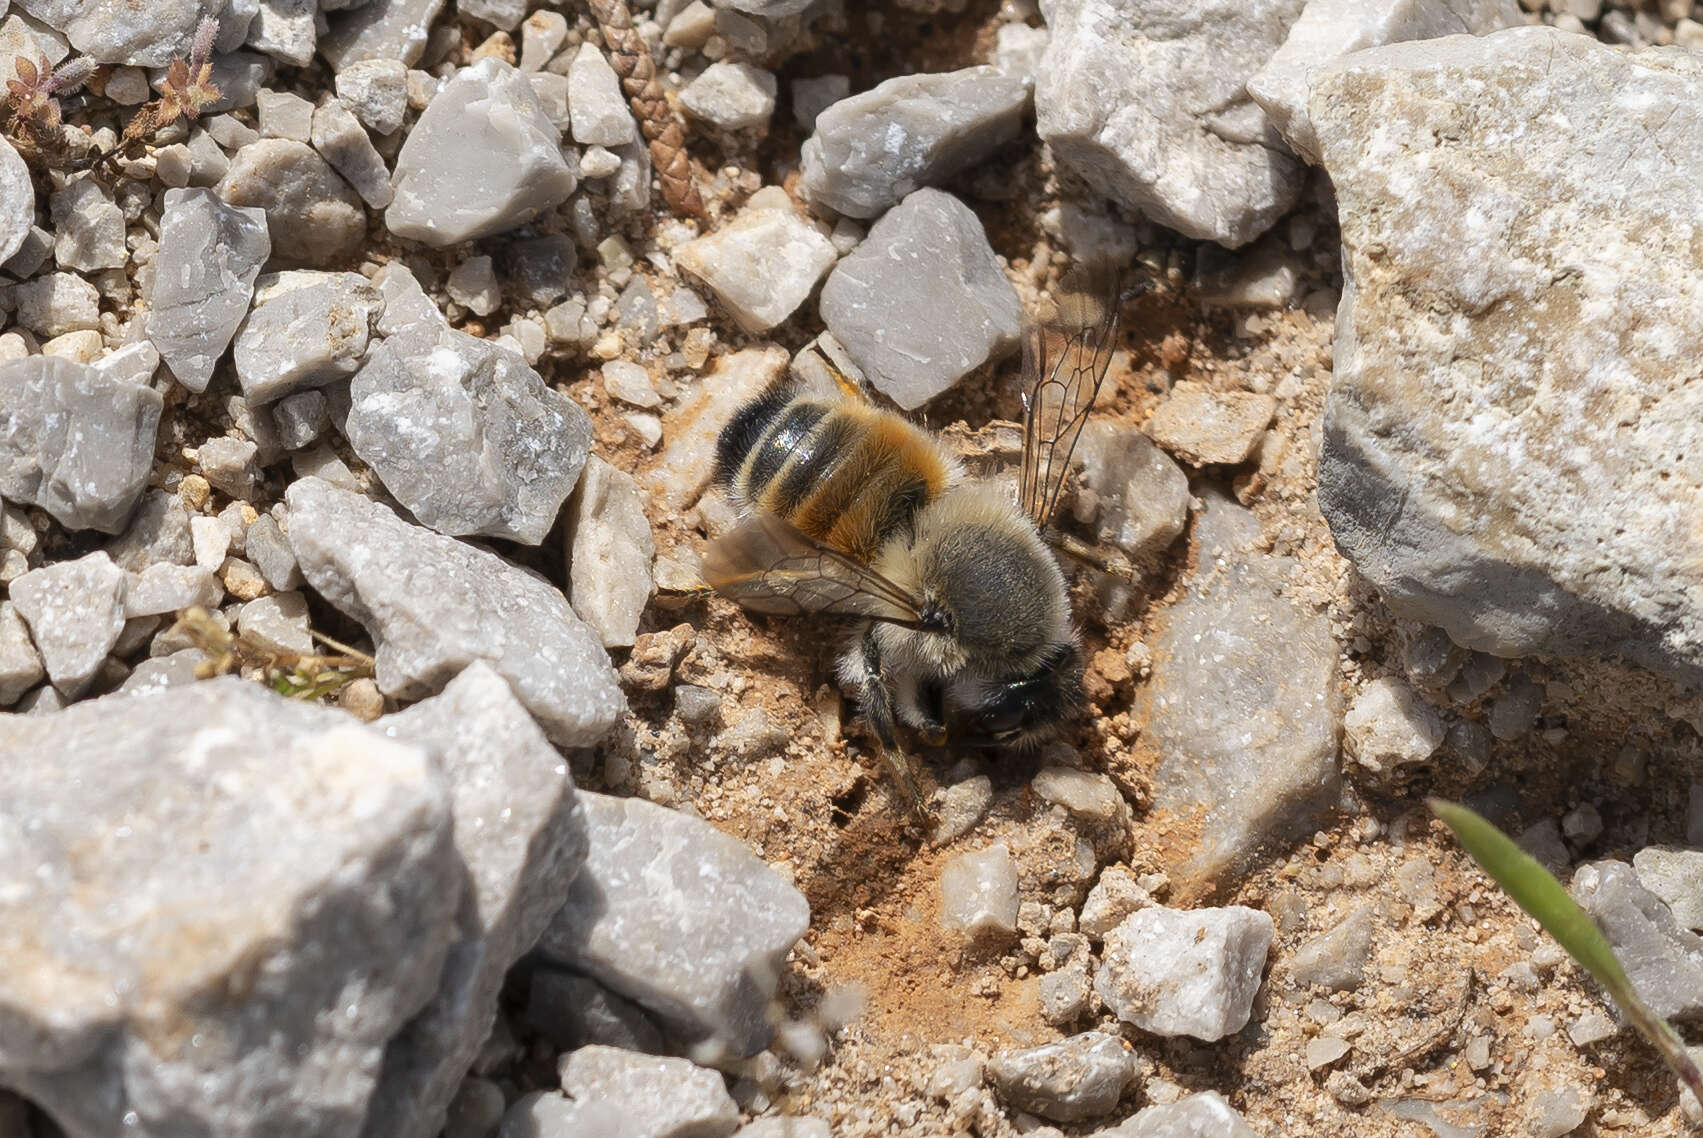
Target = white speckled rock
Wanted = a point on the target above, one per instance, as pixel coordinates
(680, 918)
(598, 108)
(306, 329)
(273, 883)
(17, 201)
(764, 263)
(487, 118)
(1146, 99)
(1185, 972)
(732, 96)
(123, 31)
(342, 141)
(379, 29)
(521, 835)
(1205, 1115)
(1328, 29)
(1389, 726)
(1510, 440)
(657, 1097)
(433, 605)
(20, 664)
(1074, 1079)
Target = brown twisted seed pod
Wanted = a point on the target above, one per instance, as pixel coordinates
(630, 57)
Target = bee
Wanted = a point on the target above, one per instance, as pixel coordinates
(962, 610)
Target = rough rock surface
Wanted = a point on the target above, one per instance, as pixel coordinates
(210, 254)
(763, 264)
(1068, 1081)
(122, 31)
(922, 301)
(872, 150)
(610, 550)
(75, 611)
(521, 836)
(1509, 443)
(1389, 726)
(1663, 960)
(466, 435)
(306, 329)
(1328, 29)
(1185, 972)
(433, 605)
(249, 925)
(978, 893)
(1204, 1115)
(75, 441)
(313, 215)
(1241, 703)
(380, 29)
(1147, 101)
(680, 918)
(487, 118)
(17, 201)
(666, 1097)
(1141, 496)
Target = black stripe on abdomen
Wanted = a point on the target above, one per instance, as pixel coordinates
(815, 461)
(746, 429)
(780, 444)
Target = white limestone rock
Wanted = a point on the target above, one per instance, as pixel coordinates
(764, 263)
(1188, 972)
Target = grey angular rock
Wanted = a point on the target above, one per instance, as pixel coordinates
(270, 551)
(1241, 707)
(1204, 1115)
(572, 1011)
(1064, 995)
(1676, 876)
(1389, 726)
(487, 118)
(1086, 795)
(658, 1097)
(88, 227)
(433, 605)
(599, 110)
(342, 141)
(380, 29)
(20, 664)
(1115, 896)
(75, 441)
(278, 622)
(1663, 961)
(1074, 1079)
(764, 263)
(285, 30)
(285, 879)
(313, 216)
(1328, 29)
(922, 301)
(17, 202)
(158, 531)
(57, 303)
(306, 329)
(874, 149)
(1337, 959)
(166, 588)
(75, 610)
(229, 466)
(1185, 971)
(122, 31)
(680, 918)
(731, 96)
(466, 435)
(978, 893)
(610, 550)
(521, 835)
(1146, 100)
(376, 90)
(301, 418)
(1204, 426)
(1523, 502)
(1141, 497)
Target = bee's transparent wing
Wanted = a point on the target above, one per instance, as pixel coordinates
(768, 565)
(1064, 364)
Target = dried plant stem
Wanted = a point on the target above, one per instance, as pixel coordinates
(631, 58)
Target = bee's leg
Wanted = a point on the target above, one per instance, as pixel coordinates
(877, 703)
(923, 705)
(1108, 561)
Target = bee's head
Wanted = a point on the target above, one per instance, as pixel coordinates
(1027, 710)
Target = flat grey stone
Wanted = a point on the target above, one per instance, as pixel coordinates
(466, 435)
(56, 303)
(1147, 101)
(680, 918)
(1523, 502)
(122, 31)
(873, 149)
(610, 550)
(342, 141)
(1185, 971)
(285, 883)
(270, 551)
(17, 203)
(1328, 29)
(1204, 1115)
(1074, 1079)
(1663, 960)
(75, 441)
(1241, 706)
(306, 329)
(433, 605)
(922, 301)
(313, 215)
(487, 118)
(285, 30)
(658, 1097)
(277, 622)
(1337, 959)
(301, 418)
(1141, 497)
(158, 531)
(522, 838)
(1676, 876)
(88, 227)
(380, 29)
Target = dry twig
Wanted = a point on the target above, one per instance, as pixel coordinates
(294, 674)
(631, 58)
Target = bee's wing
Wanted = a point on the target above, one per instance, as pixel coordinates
(768, 565)
(1064, 365)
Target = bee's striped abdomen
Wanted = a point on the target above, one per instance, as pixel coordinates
(846, 474)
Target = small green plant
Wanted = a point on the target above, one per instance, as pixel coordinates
(293, 674)
(1536, 890)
